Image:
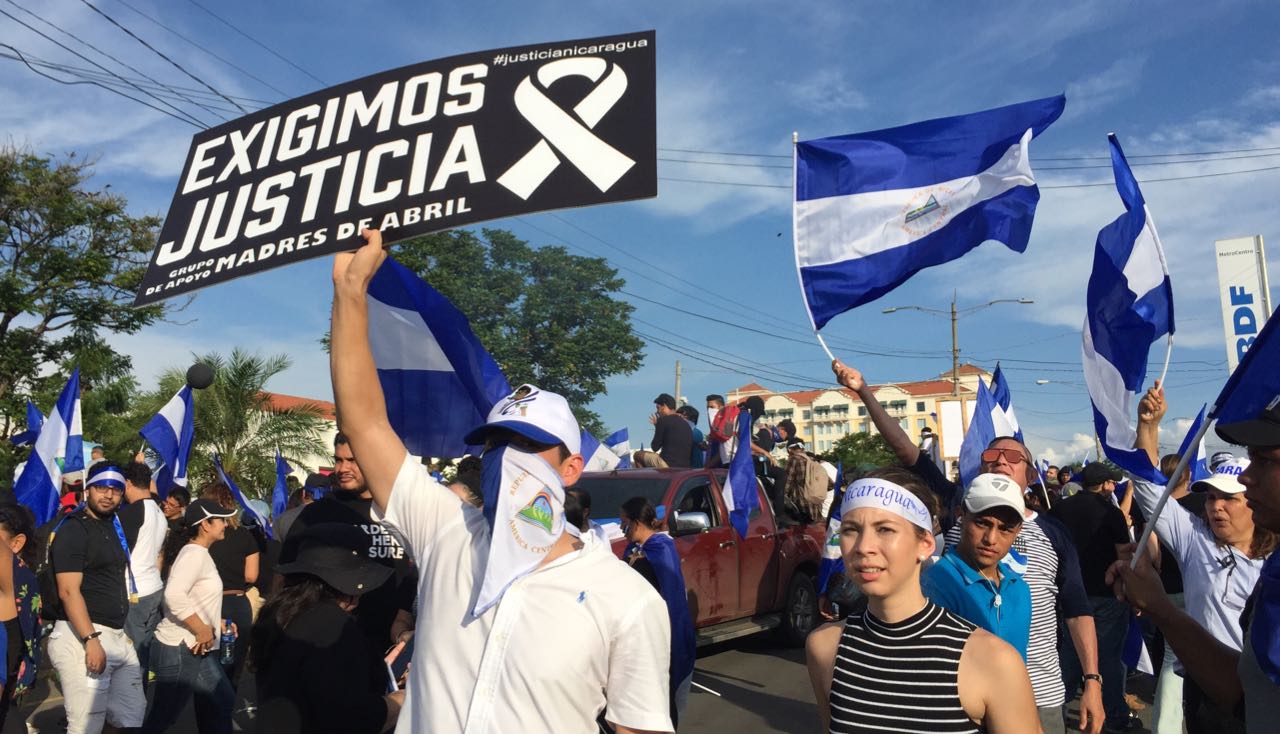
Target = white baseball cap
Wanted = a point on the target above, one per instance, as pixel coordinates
(1226, 478)
(987, 491)
(536, 414)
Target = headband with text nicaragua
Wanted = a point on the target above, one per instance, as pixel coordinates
(410, 151)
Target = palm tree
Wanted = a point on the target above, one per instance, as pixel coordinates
(234, 419)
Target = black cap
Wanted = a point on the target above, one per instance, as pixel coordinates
(316, 479)
(1264, 430)
(338, 554)
(203, 509)
(1099, 472)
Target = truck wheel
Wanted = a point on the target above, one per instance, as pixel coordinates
(800, 615)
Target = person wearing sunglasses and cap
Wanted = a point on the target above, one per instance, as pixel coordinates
(1043, 546)
(96, 663)
(1220, 554)
(499, 586)
(308, 651)
(191, 629)
(906, 664)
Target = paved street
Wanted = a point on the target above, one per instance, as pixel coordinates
(762, 688)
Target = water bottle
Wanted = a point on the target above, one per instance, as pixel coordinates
(226, 644)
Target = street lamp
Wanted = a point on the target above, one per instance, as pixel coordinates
(955, 315)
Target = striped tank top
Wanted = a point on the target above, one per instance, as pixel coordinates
(900, 677)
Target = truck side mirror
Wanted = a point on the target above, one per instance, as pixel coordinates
(690, 523)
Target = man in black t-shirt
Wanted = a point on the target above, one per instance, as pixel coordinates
(1099, 531)
(672, 434)
(351, 503)
(96, 663)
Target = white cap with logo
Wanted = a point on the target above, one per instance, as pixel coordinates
(1226, 478)
(987, 491)
(538, 415)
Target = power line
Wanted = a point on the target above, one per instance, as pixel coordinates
(157, 52)
(678, 350)
(264, 46)
(188, 116)
(1039, 158)
(724, 354)
(232, 64)
(145, 103)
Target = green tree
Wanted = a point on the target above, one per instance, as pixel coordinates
(548, 317)
(862, 451)
(71, 259)
(234, 418)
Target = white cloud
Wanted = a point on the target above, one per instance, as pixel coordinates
(1100, 90)
(1068, 452)
(826, 90)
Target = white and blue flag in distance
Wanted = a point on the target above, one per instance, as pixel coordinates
(739, 491)
(170, 434)
(597, 456)
(437, 378)
(280, 493)
(1004, 400)
(39, 487)
(254, 512)
(35, 419)
(1198, 466)
(1129, 305)
(872, 209)
(984, 427)
(619, 442)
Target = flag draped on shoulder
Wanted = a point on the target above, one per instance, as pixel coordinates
(619, 442)
(280, 493)
(982, 431)
(739, 491)
(1129, 305)
(263, 522)
(1004, 401)
(170, 434)
(438, 380)
(832, 562)
(872, 209)
(35, 419)
(39, 487)
(597, 456)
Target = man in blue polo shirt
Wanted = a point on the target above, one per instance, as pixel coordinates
(971, 578)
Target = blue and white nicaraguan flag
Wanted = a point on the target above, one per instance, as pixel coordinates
(280, 493)
(1198, 465)
(39, 487)
(1004, 401)
(170, 434)
(739, 491)
(249, 509)
(1129, 305)
(872, 209)
(619, 442)
(832, 562)
(983, 429)
(438, 380)
(35, 419)
(597, 456)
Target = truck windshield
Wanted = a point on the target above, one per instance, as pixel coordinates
(609, 492)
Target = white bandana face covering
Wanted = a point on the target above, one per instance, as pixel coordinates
(881, 494)
(527, 520)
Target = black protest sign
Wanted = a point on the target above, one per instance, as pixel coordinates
(410, 151)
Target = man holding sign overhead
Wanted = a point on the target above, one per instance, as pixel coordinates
(496, 586)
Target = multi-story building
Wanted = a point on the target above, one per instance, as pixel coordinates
(823, 416)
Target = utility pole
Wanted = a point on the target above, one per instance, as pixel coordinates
(677, 383)
(955, 350)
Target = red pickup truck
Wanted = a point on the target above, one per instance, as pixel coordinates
(736, 586)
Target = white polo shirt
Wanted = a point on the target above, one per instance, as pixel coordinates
(578, 635)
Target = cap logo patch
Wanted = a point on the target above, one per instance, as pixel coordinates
(518, 401)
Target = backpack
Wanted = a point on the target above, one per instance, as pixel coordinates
(725, 426)
(51, 605)
(807, 484)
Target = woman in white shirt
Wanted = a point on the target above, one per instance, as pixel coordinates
(184, 655)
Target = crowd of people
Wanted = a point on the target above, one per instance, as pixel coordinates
(984, 607)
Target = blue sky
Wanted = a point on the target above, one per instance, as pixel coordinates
(740, 77)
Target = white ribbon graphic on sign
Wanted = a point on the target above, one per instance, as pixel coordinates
(602, 164)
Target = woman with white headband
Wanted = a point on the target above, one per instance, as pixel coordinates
(905, 662)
